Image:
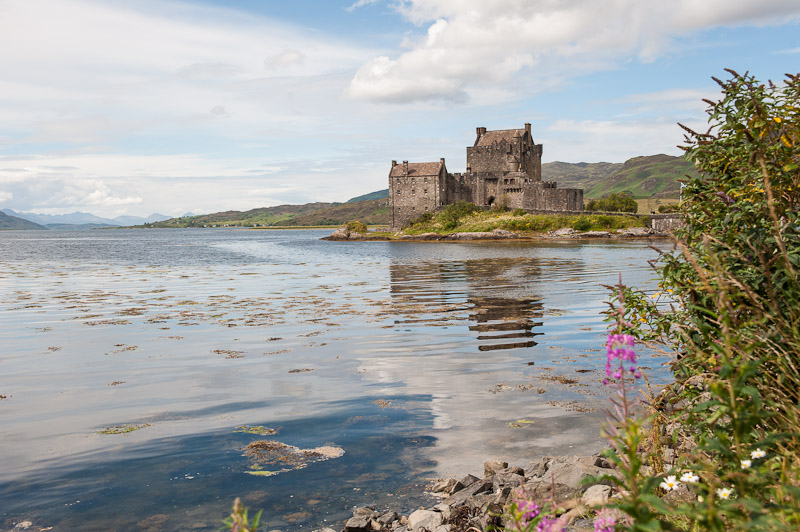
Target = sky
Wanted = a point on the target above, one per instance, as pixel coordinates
(130, 107)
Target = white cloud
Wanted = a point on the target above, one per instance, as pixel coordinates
(360, 3)
(87, 71)
(5, 196)
(471, 44)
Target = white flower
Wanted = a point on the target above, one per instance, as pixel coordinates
(746, 464)
(670, 483)
(758, 453)
(724, 493)
(689, 477)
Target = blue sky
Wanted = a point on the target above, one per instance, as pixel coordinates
(133, 107)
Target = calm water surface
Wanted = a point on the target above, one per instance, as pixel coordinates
(417, 360)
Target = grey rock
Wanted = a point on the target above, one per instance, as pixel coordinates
(445, 510)
(468, 480)
(596, 495)
(595, 234)
(365, 511)
(480, 501)
(426, 519)
(507, 479)
(565, 231)
(635, 231)
(444, 486)
(444, 528)
(515, 470)
(501, 495)
(358, 524)
(341, 233)
(387, 518)
(491, 467)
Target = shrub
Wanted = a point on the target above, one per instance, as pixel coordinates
(619, 202)
(582, 223)
(452, 214)
(519, 212)
(668, 208)
(356, 227)
(735, 308)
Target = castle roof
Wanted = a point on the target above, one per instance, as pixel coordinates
(417, 169)
(490, 137)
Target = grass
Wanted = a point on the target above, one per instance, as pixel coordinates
(527, 224)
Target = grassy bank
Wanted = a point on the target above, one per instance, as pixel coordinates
(466, 220)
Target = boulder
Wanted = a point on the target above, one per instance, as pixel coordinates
(358, 524)
(426, 519)
(365, 511)
(595, 234)
(562, 479)
(387, 518)
(491, 467)
(596, 495)
(635, 232)
(445, 510)
(468, 481)
(564, 231)
(341, 233)
(445, 486)
(476, 488)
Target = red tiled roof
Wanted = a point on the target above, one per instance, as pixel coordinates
(490, 137)
(417, 169)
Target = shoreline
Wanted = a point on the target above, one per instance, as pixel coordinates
(343, 234)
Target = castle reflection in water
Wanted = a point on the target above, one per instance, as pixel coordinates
(490, 296)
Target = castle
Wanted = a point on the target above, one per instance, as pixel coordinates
(502, 166)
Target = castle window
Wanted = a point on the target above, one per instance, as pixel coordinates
(412, 181)
(412, 191)
(426, 179)
(426, 191)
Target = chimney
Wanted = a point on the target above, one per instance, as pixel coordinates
(405, 167)
(480, 130)
(442, 161)
(528, 128)
(394, 163)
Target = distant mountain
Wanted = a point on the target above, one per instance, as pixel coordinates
(652, 176)
(14, 222)
(138, 220)
(76, 219)
(380, 194)
(78, 227)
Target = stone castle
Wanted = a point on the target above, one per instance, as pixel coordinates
(503, 166)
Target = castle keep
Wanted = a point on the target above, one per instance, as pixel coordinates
(502, 165)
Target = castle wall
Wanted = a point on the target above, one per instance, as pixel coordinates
(502, 167)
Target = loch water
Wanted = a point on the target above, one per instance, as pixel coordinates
(130, 360)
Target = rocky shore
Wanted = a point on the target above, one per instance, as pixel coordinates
(343, 233)
(476, 503)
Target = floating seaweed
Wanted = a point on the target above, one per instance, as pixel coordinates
(122, 429)
(256, 429)
(265, 453)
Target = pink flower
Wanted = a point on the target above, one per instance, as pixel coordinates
(604, 522)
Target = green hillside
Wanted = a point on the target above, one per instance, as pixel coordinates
(371, 212)
(379, 194)
(12, 222)
(655, 176)
(652, 176)
(578, 175)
